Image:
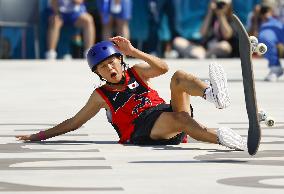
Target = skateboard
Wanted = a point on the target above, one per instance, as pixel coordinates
(261, 49)
(247, 46)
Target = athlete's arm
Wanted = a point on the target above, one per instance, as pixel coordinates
(153, 67)
(92, 107)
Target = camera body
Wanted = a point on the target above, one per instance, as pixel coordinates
(220, 4)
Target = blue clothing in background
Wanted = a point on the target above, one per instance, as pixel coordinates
(69, 11)
(139, 23)
(105, 8)
(271, 33)
(189, 16)
(243, 8)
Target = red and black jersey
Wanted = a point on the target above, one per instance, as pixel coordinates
(127, 104)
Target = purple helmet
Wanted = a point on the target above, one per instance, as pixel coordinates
(100, 52)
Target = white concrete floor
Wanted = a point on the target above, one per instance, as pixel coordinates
(36, 95)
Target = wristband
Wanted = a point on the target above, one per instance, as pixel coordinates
(41, 135)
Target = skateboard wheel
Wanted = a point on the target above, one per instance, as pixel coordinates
(269, 121)
(261, 49)
(253, 42)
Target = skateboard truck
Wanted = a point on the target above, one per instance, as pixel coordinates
(263, 116)
(256, 47)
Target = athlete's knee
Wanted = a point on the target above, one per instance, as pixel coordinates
(179, 76)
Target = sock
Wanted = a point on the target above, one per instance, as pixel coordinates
(208, 94)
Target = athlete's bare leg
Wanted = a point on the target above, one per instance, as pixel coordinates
(169, 124)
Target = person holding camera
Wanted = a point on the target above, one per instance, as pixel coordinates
(218, 35)
(266, 24)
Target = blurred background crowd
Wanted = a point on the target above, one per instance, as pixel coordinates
(65, 29)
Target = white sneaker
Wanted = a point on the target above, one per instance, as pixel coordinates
(229, 138)
(67, 56)
(172, 54)
(219, 86)
(274, 74)
(51, 55)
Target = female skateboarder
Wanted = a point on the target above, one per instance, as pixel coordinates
(137, 112)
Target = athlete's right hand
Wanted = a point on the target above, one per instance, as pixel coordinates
(123, 45)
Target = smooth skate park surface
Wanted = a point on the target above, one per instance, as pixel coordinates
(39, 94)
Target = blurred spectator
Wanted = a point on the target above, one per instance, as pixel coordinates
(139, 28)
(242, 10)
(163, 14)
(160, 30)
(270, 31)
(115, 15)
(187, 24)
(92, 8)
(218, 35)
(68, 12)
(189, 49)
(279, 10)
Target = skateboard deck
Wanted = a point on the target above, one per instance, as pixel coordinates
(254, 131)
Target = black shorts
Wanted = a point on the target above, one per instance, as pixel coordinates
(144, 124)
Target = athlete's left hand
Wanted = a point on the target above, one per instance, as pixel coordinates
(26, 137)
(123, 45)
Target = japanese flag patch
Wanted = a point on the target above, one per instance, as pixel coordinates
(133, 85)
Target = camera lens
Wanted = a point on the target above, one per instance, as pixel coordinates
(264, 10)
(220, 5)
